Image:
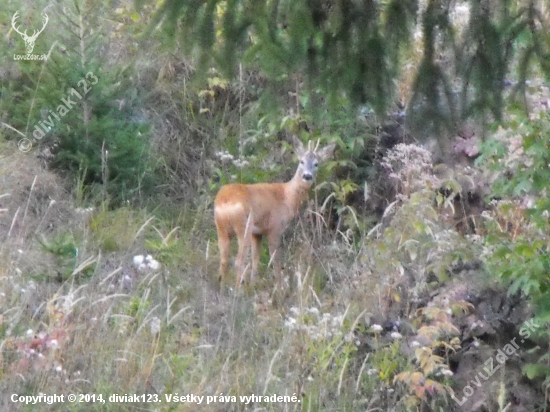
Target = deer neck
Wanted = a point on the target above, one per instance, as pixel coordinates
(296, 191)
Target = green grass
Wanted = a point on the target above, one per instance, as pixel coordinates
(92, 322)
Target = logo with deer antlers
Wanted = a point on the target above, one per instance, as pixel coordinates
(29, 40)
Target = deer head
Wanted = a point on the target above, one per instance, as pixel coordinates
(29, 40)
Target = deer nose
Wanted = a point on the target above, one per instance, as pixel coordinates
(307, 176)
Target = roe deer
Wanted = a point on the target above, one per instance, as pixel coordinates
(253, 210)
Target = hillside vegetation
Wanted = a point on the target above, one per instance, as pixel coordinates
(416, 276)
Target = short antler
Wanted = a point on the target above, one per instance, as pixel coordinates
(317, 146)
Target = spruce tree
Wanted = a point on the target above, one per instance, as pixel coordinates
(356, 49)
(88, 110)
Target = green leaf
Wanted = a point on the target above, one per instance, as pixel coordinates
(535, 370)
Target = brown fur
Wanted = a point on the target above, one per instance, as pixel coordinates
(252, 211)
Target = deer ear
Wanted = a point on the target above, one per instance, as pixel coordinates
(326, 152)
(298, 146)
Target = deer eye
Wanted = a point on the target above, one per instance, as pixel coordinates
(315, 164)
(301, 162)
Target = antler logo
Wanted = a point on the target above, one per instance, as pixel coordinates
(29, 40)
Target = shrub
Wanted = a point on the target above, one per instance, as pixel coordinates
(518, 226)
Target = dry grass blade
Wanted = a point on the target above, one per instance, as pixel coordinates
(179, 312)
(88, 262)
(13, 222)
(110, 275)
(143, 227)
(113, 296)
(269, 374)
(146, 318)
(13, 129)
(361, 373)
(29, 200)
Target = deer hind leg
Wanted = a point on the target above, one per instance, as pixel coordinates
(223, 245)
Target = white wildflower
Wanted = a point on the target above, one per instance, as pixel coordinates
(376, 328)
(313, 311)
(138, 260)
(154, 324)
(290, 322)
(294, 310)
(396, 335)
(154, 264)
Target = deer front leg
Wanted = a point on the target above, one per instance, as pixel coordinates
(274, 239)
